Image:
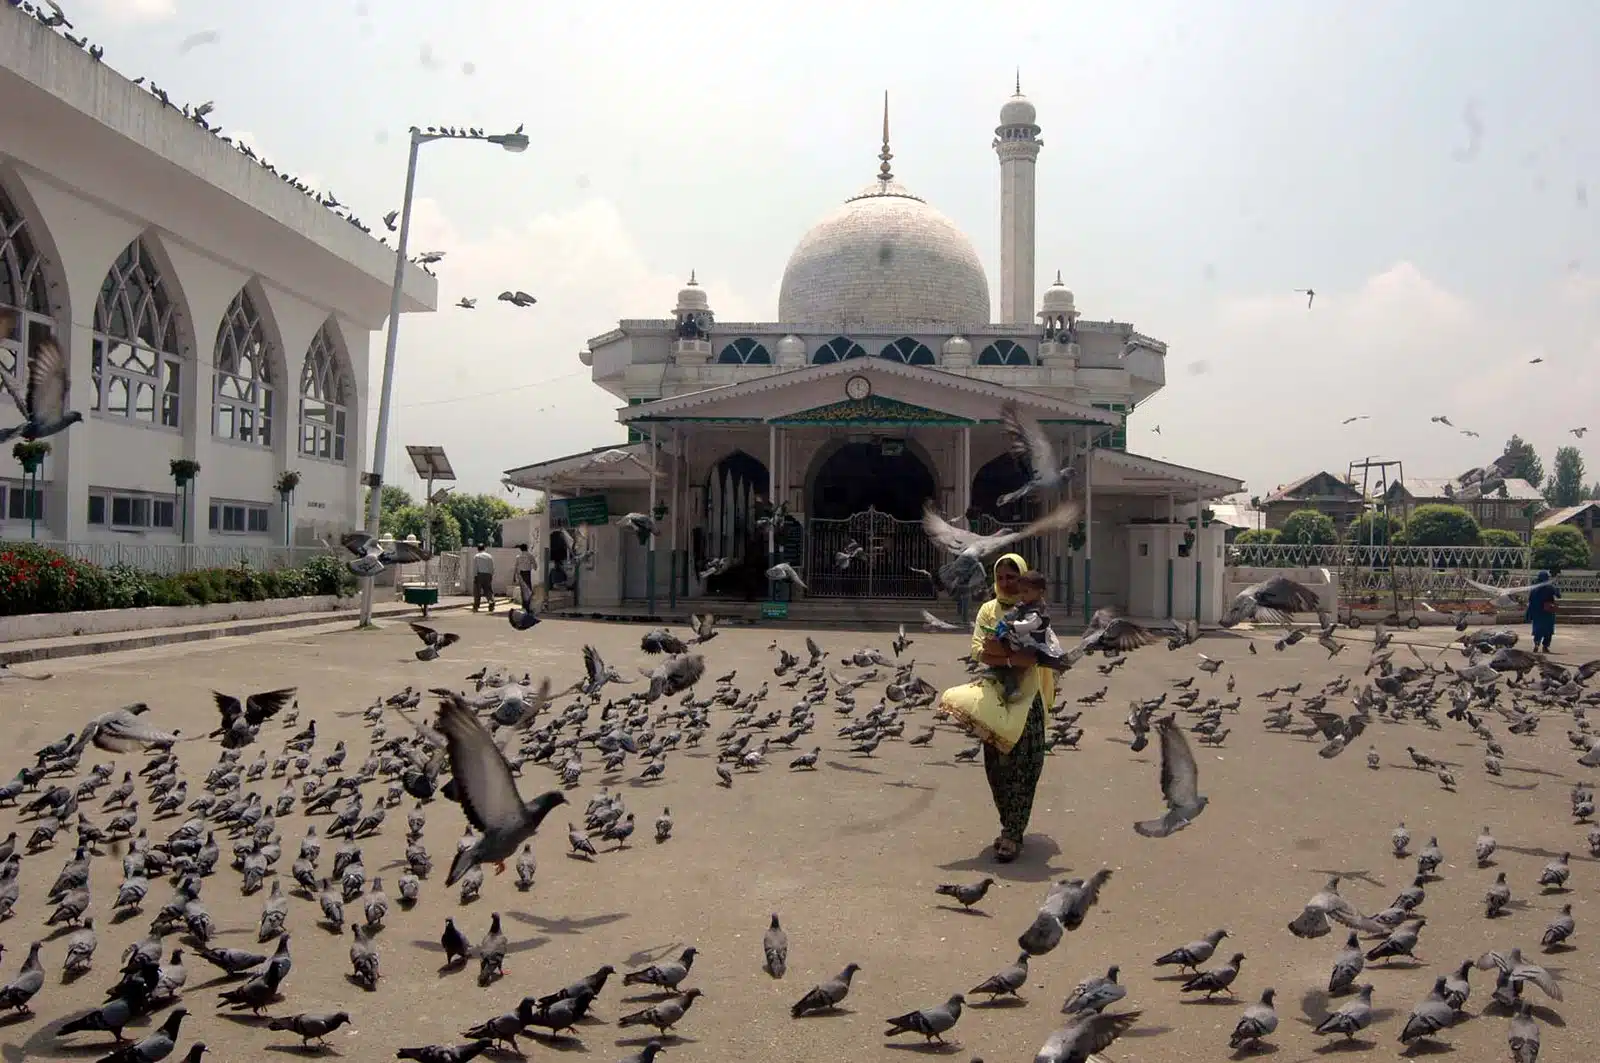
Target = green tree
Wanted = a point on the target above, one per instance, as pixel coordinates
(1500, 539)
(1378, 529)
(1308, 527)
(1560, 547)
(1438, 525)
(1524, 463)
(1256, 535)
(1565, 486)
(479, 516)
(413, 520)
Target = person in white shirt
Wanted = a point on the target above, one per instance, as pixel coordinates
(482, 577)
(523, 568)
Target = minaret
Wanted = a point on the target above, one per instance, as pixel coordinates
(1016, 141)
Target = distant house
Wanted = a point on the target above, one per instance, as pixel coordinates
(1321, 491)
(1493, 501)
(1585, 517)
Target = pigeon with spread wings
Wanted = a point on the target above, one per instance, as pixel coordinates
(1506, 595)
(1110, 633)
(123, 731)
(371, 558)
(433, 641)
(240, 720)
(43, 402)
(968, 568)
(1029, 444)
(598, 672)
(487, 793)
(1274, 600)
(1180, 782)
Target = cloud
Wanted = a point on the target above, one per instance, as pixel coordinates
(500, 386)
(127, 11)
(1401, 348)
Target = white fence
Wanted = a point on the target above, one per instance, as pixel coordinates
(164, 559)
(1422, 571)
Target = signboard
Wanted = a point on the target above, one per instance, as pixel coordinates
(774, 610)
(587, 509)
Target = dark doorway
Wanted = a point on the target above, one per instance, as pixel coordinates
(1001, 475)
(885, 476)
(735, 490)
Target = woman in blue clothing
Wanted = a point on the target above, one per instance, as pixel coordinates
(1542, 611)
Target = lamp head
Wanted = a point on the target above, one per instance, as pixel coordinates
(512, 142)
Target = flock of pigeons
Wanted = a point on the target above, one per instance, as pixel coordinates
(170, 817)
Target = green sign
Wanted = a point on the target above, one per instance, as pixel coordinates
(774, 610)
(587, 509)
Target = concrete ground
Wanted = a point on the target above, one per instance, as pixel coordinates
(849, 856)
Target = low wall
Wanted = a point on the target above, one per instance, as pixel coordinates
(110, 621)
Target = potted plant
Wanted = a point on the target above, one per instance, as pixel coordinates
(659, 512)
(30, 454)
(287, 481)
(184, 470)
(1077, 537)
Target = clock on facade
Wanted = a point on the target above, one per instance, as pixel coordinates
(858, 388)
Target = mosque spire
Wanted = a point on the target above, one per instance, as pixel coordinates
(884, 173)
(1019, 81)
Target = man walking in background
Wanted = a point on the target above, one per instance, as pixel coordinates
(522, 569)
(482, 577)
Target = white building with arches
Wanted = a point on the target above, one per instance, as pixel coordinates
(209, 311)
(879, 387)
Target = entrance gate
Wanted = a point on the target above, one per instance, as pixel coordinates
(890, 550)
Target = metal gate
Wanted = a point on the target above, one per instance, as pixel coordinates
(1032, 550)
(890, 549)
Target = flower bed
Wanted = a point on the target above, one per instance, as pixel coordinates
(36, 579)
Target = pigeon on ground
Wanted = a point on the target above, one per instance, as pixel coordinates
(775, 948)
(825, 996)
(1555, 935)
(15, 994)
(666, 974)
(1347, 965)
(1085, 1037)
(1095, 994)
(1353, 1017)
(1189, 957)
(463, 1053)
(1258, 1021)
(665, 1015)
(1179, 784)
(311, 1025)
(1007, 981)
(931, 1023)
(1523, 1037)
(1217, 979)
(487, 792)
(967, 894)
(1429, 1017)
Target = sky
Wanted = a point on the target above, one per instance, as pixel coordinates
(1429, 178)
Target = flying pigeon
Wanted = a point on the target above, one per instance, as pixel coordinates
(1273, 601)
(1309, 293)
(487, 792)
(467, 304)
(517, 298)
(43, 402)
(1179, 782)
(639, 524)
(783, 572)
(968, 568)
(1029, 444)
(371, 558)
(122, 731)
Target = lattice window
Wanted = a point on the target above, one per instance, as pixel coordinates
(242, 404)
(907, 350)
(324, 400)
(838, 349)
(744, 351)
(135, 364)
(22, 286)
(1112, 438)
(1004, 352)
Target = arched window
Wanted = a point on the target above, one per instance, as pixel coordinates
(324, 400)
(744, 351)
(907, 350)
(242, 403)
(22, 286)
(137, 370)
(1004, 352)
(838, 349)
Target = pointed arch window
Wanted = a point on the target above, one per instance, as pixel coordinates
(242, 407)
(909, 351)
(135, 362)
(1004, 352)
(324, 400)
(22, 286)
(744, 351)
(838, 349)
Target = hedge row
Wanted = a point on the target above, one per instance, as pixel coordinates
(36, 579)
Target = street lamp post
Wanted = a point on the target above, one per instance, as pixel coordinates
(513, 142)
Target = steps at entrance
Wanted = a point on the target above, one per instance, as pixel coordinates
(1586, 611)
(852, 613)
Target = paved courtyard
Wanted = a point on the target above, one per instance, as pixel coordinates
(849, 856)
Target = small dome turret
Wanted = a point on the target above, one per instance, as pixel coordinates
(691, 296)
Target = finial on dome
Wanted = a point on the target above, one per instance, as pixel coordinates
(693, 284)
(884, 173)
(1019, 81)
(1058, 279)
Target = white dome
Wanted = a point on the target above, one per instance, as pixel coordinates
(1058, 299)
(1018, 110)
(692, 297)
(957, 345)
(792, 344)
(884, 258)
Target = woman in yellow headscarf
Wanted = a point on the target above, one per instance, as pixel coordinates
(1012, 731)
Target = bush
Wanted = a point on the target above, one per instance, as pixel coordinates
(36, 579)
(1375, 529)
(1265, 536)
(1440, 525)
(1308, 527)
(1500, 539)
(1560, 547)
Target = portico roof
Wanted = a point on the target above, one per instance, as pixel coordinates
(1119, 472)
(626, 466)
(896, 389)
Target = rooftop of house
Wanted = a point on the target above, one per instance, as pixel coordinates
(1295, 489)
(1564, 514)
